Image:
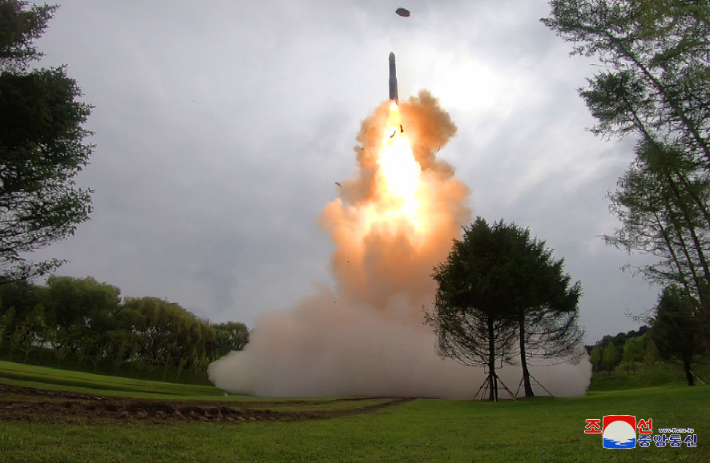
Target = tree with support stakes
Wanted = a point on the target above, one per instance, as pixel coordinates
(490, 386)
(501, 297)
(545, 304)
(473, 316)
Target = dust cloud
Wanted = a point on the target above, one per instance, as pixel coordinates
(365, 337)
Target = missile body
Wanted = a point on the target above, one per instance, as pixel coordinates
(393, 79)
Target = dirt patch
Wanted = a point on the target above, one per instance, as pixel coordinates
(64, 405)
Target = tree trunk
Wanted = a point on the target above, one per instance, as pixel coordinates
(705, 325)
(523, 360)
(493, 394)
(688, 373)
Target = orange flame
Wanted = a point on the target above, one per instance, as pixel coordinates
(398, 179)
(394, 222)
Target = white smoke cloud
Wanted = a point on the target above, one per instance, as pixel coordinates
(365, 337)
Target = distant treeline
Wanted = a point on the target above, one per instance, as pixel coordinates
(86, 324)
(671, 339)
(619, 340)
(624, 349)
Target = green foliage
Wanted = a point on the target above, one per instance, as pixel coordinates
(619, 340)
(41, 146)
(674, 330)
(638, 348)
(596, 358)
(610, 357)
(81, 323)
(232, 336)
(662, 203)
(18, 29)
(474, 315)
(654, 86)
(499, 286)
(631, 354)
(6, 321)
(660, 374)
(651, 355)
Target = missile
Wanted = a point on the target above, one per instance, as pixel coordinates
(393, 79)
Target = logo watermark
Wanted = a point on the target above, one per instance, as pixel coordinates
(620, 432)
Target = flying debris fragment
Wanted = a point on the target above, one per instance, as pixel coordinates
(403, 12)
(338, 183)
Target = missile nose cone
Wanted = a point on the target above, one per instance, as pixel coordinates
(391, 56)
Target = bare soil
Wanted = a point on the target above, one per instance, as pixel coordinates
(38, 405)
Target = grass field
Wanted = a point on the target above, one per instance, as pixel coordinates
(76, 381)
(660, 374)
(537, 430)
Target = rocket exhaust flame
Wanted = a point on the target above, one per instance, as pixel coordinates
(391, 225)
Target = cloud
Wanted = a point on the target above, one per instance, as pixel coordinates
(221, 129)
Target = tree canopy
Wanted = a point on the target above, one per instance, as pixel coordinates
(90, 323)
(655, 86)
(42, 145)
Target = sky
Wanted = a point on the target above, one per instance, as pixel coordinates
(222, 127)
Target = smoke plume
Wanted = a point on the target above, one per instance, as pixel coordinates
(391, 225)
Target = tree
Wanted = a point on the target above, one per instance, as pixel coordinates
(596, 357)
(230, 336)
(499, 283)
(651, 355)
(30, 333)
(81, 307)
(674, 330)
(640, 345)
(5, 323)
(22, 296)
(610, 357)
(630, 354)
(41, 145)
(83, 321)
(654, 86)
(662, 219)
(473, 316)
(655, 77)
(545, 305)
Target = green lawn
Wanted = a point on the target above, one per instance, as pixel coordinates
(19, 374)
(87, 383)
(537, 430)
(660, 374)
